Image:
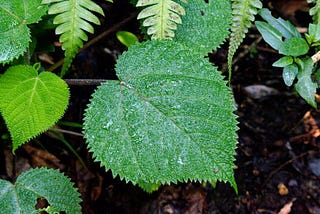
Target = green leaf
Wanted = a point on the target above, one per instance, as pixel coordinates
(315, 11)
(161, 17)
(148, 187)
(283, 61)
(270, 34)
(305, 86)
(31, 103)
(287, 29)
(314, 34)
(39, 183)
(243, 14)
(294, 47)
(169, 117)
(15, 15)
(74, 18)
(289, 74)
(205, 25)
(127, 38)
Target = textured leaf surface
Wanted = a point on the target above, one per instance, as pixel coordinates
(14, 33)
(161, 17)
(30, 102)
(169, 118)
(34, 184)
(205, 25)
(73, 18)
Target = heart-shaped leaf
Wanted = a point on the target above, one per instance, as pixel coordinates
(39, 183)
(169, 118)
(30, 102)
(14, 33)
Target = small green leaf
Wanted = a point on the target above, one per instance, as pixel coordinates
(127, 38)
(39, 183)
(294, 47)
(270, 34)
(31, 103)
(289, 74)
(169, 117)
(15, 15)
(287, 29)
(148, 187)
(313, 35)
(283, 61)
(305, 86)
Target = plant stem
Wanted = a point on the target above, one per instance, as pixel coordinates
(84, 81)
(316, 57)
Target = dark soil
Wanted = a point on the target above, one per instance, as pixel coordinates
(278, 155)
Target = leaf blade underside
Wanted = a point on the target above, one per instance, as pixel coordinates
(161, 17)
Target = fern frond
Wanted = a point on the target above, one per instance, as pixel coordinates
(161, 17)
(243, 12)
(315, 11)
(73, 19)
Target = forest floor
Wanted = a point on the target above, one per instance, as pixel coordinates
(278, 155)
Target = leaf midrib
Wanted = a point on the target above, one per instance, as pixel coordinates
(165, 116)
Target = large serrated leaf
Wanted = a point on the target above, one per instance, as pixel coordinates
(30, 102)
(14, 33)
(39, 183)
(169, 118)
(205, 25)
